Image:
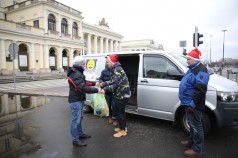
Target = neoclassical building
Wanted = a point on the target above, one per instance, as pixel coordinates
(140, 45)
(49, 34)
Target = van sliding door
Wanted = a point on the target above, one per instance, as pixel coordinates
(157, 92)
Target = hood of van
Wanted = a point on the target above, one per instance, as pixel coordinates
(222, 84)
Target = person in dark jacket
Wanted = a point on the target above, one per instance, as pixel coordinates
(106, 76)
(77, 96)
(192, 94)
(119, 86)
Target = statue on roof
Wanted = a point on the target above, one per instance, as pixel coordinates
(103, 23)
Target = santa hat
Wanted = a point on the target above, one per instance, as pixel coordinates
(194, 54)
(112, 58)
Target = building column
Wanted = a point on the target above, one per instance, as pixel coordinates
(111, 46)
(33, 59)
(46, 59)
(16, 61)
(80, 31)
(101, 45)
(116, 45)
(59, 25)
(41, 59)
(89, 44)
(46, 21)
(119, 46)
(106, 45)
(70, 28)
(71, 56)
(3, 66)
(95, 44)
(33, 102)
(59, 60)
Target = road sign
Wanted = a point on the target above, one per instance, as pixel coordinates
(182, 43)
(13, 49)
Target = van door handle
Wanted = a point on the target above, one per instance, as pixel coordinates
(144, 81)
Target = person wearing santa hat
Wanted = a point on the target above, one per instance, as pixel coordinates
(119, 86)
(192, 95)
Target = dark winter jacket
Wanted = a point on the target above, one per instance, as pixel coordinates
(118, 84)
(105, 75)
(76, 74)
(193, 87)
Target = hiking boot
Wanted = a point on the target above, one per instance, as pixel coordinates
(120, 134)
(118, 129)
(185, 143)
(191, 153)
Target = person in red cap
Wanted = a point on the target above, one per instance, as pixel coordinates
(119, 86)
(192, 95)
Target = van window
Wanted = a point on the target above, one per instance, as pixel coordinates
(157, 67)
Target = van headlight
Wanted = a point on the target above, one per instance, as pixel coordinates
(227, 96)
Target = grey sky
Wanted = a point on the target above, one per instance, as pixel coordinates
(168, 22)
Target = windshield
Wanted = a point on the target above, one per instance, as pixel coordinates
(180, 58)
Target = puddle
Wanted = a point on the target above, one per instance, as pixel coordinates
(16, 130)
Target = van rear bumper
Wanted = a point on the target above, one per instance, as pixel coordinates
(226, 114)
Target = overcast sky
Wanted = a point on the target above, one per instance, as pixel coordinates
(169, 21)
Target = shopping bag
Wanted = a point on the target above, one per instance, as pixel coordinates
(99, 105)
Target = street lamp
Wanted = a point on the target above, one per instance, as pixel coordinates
(223, 48)
(210, 49)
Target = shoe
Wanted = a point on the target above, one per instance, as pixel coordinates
(85, 136)
(110, 120)
(185, 143)
(114, 123)
(79, 143)
(191, 153)
(118, 129)
(120, 134)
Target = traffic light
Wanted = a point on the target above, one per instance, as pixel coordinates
(196, 39)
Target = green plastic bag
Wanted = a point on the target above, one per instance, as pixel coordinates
(99, 104)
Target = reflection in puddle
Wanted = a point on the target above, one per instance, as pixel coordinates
(16, 133)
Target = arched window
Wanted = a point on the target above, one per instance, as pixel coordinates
(75, 29)
(64, 26)
(51, 22)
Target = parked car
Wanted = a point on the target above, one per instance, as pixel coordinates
(232, 70)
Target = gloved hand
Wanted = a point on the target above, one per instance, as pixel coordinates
(190, 109)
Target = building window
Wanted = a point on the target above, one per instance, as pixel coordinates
(51, 22)
(64, 26)
(36, 23)
(75, 29)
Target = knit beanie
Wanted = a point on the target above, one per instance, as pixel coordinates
(112, 58)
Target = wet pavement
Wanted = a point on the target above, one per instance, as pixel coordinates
(45, 133)
(147, 137)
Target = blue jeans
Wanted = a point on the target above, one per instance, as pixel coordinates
(196, 137)
(77, 117)
(118, 108)
(108, 97)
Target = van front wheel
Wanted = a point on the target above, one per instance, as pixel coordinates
(206, 121)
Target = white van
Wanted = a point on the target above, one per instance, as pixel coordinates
(154, 80)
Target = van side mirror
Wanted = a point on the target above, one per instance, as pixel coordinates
(174, 73)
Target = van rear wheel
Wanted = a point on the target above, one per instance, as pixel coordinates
(206, 121)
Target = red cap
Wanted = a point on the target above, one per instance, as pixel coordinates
(194, 54)
(113, 58)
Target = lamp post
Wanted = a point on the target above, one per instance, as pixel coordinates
(223, 48)
(210, 49)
